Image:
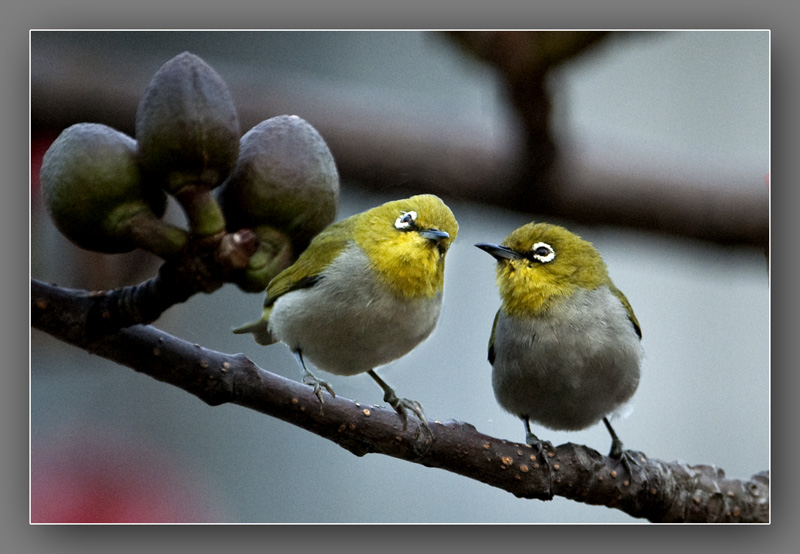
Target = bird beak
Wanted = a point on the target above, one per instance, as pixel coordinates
(435, 235)
(498, 252)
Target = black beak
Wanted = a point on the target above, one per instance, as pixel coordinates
(498, 252)
(435, 235)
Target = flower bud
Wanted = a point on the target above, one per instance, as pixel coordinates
(186, 125)
(188, 135)
(93, 190)
(285, 178)
(274, 254)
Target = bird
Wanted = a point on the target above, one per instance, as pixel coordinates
(366, 291)
(565, 346)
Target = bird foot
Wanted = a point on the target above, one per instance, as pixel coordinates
(403, 406)
(628, 459)
(543, 448)
(616, 448)
(318, 385)
(311, 379)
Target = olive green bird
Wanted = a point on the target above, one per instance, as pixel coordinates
(366, 291)
(565, 346)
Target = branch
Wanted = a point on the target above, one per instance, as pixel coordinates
(203, 266)
(387, 145)
(643, 488)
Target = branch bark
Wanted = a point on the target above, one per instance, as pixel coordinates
(203, 266)
(643, 488)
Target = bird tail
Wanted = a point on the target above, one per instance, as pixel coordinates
(259, 329)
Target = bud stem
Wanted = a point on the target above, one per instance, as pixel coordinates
(152, 234)
(202, 211)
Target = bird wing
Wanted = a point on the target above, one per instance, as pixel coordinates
(491, 338)
(307, 270)
(631, 316)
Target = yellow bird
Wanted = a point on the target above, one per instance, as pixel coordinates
(565, 345)
(366, 291)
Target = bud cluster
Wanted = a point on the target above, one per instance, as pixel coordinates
(107, 191)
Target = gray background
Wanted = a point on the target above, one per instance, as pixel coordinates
(689, 102)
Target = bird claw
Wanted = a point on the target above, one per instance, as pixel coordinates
(311, 379)
(628, 459)
(318, 386)
(403, 405)
(542, 448)
(616, 451)
(424, 434)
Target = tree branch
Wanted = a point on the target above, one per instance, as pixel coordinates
(203, 266)
(643, 488)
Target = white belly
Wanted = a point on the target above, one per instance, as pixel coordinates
(348, 323)
(570, 371)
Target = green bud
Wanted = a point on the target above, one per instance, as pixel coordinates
(188, 135)
(186, 125)
(285, 178)
(274, 254)
(93, 190)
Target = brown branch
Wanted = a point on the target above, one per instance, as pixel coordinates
(204, 266)
(656, 490)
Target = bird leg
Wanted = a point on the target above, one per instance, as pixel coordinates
(401, 405)
(616, 444)
(310, 379)
(539, 445)
(617, 453)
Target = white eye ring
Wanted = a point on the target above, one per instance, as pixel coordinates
(543, 252)
(406, 221)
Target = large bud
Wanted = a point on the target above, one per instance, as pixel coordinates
(285, 187)
(286, 178)
(188, 135)
(94, 192)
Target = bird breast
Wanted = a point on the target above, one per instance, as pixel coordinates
(349, 321)
(570, 366)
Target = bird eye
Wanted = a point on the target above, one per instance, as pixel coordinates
(406, 221)
(543, 252)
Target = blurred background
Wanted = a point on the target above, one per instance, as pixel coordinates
(653, 145)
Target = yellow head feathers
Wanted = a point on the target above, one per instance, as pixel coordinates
(406, 242)
(539, 263)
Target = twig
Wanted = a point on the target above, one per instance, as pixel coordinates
(656, 490)
(204, 266)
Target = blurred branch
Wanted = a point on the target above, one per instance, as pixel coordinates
(524, 60)
(558, 180)
(383, 146)
(639, 486)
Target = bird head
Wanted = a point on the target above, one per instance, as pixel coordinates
(406, 242)
(539, 263)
